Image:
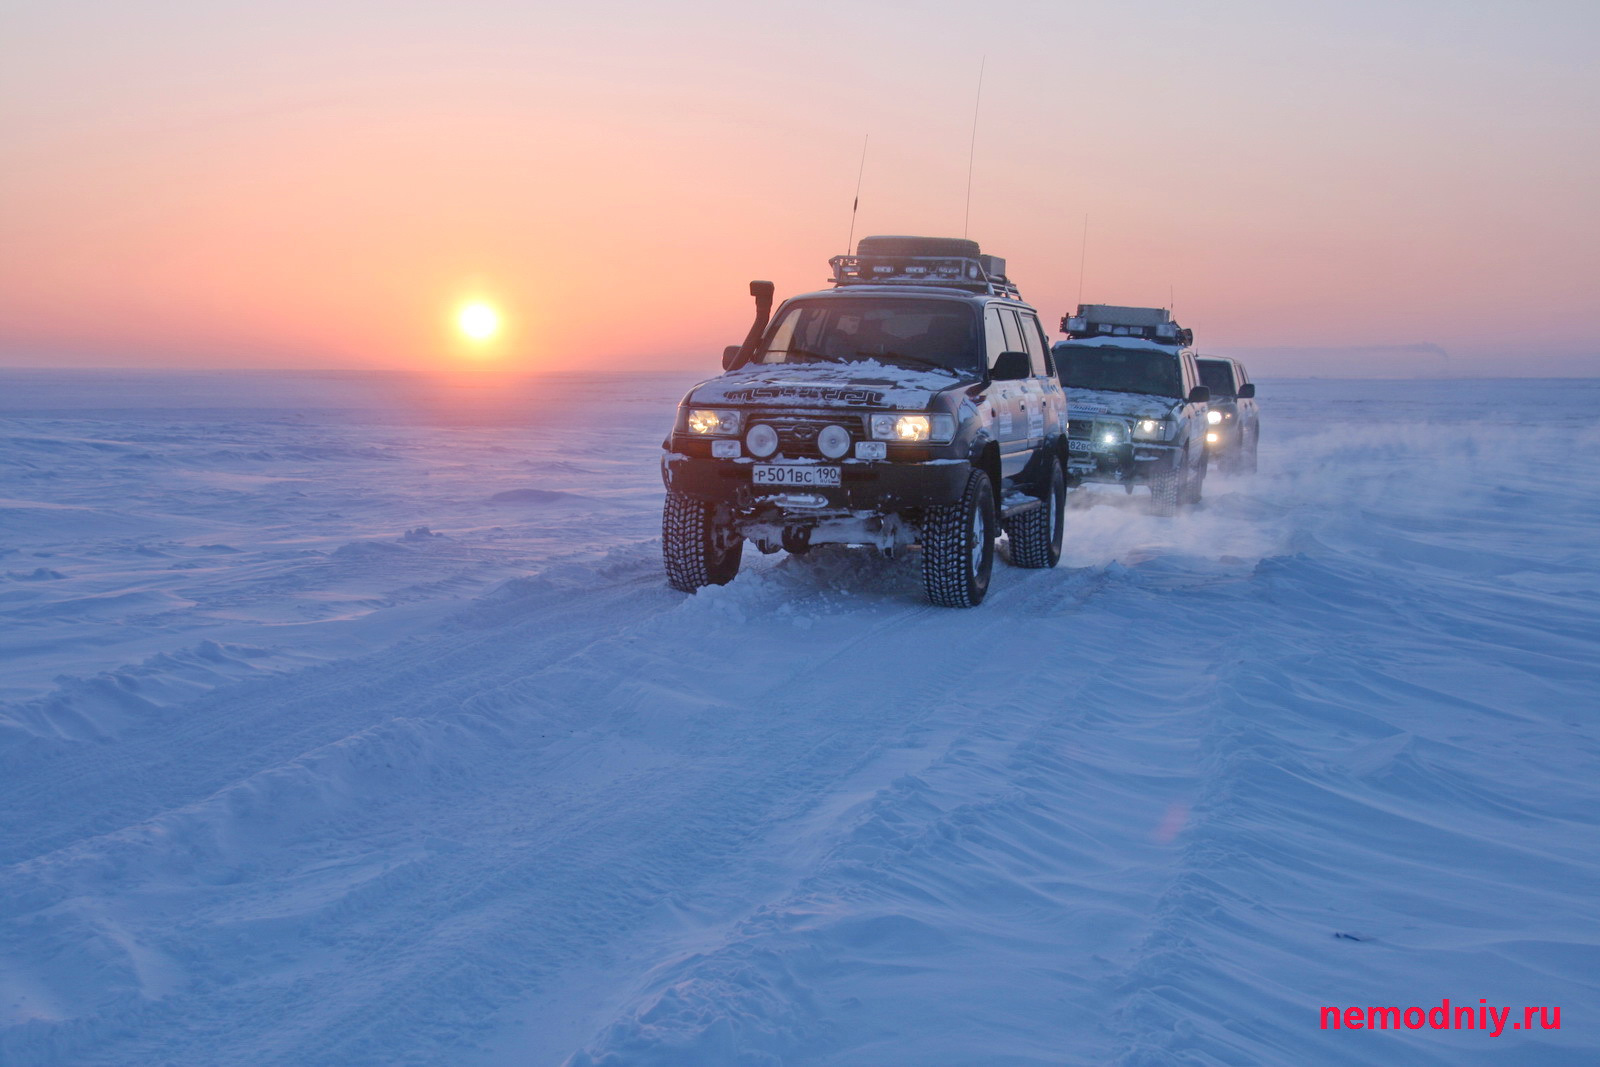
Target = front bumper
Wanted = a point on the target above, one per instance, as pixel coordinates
(1123, 464)
(882, 486)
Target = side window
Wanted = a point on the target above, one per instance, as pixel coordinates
(1008, 319)
(1033, 337)
(993, 334)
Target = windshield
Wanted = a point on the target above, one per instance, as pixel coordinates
(931, 334)
(1217, 376)
(1120, 370)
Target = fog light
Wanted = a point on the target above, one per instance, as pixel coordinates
(725, 449)
(833, 441)
(762, 440)
(1213, 437)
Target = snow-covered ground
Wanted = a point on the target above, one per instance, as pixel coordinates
(349, 720)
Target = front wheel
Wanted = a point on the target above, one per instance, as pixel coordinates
(1247, 456)
(1036, 533)
(1166, 489)
(696, 549)
(958, 546)
(1196, 480)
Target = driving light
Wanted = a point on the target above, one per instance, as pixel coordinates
(914, 429)
(1108, 433)
(1213, 417)
(833, 441)
(762, 440)
(706, 421)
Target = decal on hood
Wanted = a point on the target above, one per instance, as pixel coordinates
(837, 395)
(864, 384)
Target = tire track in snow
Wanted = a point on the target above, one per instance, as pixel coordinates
(349, 868)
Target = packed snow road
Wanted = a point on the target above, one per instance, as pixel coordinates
(349, 720)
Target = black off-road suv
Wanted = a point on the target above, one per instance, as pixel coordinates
(1136, 401)
(914, 403)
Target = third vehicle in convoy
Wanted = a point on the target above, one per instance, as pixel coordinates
(914, 403)
(1136, 402)
(1233, 426)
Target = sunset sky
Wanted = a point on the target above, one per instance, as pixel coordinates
(327, 184)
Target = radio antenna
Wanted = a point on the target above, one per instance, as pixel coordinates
(849, 243)
(1083, 257)
(972, 147)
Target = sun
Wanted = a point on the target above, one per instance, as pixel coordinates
(478, 321)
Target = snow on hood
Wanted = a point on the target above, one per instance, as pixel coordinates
(867, 383)
(1087, 403)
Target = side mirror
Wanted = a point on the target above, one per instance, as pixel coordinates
(1011, 366)
(1199, 395)
(730, 354)
(1247, 391)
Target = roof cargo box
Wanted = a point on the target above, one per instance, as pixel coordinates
(1112, 315)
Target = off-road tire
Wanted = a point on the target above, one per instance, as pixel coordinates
(958, 546)
(696, 551)
(1036, 533)
(1195, 482)
(1166, 489)
(1247, 456)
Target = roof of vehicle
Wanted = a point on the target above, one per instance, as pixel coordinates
(911, 292)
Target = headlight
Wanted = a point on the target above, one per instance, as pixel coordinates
(1213, 417)
(938, 429)
(1109, 433)
(1150, 429)
(708, 421)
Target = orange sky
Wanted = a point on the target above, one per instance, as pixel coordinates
(321, 184)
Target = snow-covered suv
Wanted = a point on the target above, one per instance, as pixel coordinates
(914, 403)
(1136, 401)
(1234, 425)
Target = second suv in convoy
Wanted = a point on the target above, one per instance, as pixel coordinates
(914, 403)
(1233, 426)
(1136, 402)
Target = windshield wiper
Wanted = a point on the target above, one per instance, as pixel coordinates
(790, 356)
(904, 358)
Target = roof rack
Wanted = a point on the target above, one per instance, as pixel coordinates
(1111, 320)
(973, 274)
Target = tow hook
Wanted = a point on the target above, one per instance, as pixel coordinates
(797, 540)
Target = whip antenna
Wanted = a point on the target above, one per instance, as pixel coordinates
(1083, 257)
(972, 147)
(849, 246)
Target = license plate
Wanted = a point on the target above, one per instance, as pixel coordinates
(804, 476)
(1079, 446)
